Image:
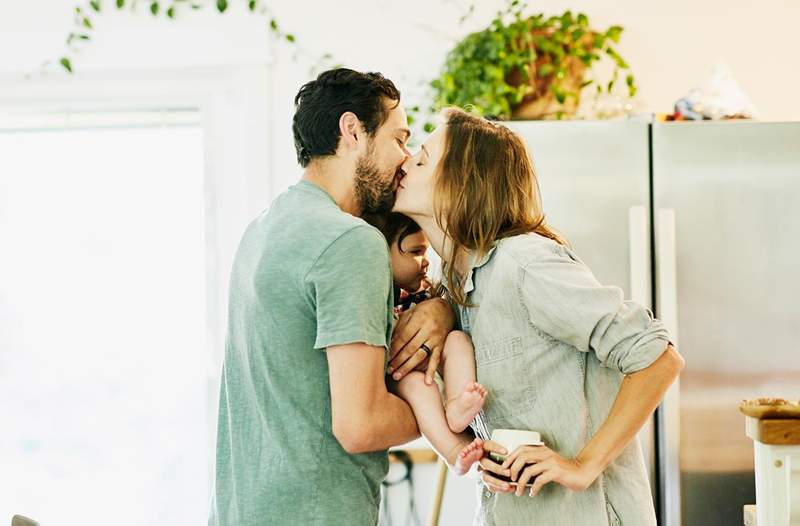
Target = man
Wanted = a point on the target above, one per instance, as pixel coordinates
(305, 417)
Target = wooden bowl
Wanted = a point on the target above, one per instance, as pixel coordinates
(770, 408)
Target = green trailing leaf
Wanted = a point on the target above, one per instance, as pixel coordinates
(616, 58)
(290, 38)
(66, 64)
(171, 12)
(273, 24)
(632, 89)
(154, 7)
(252, 4)
(120, 4)
(222, 5)
(87, 23)
(95, 4)
(560, 94)
(613, 33)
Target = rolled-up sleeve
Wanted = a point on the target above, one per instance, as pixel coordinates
(564, 300)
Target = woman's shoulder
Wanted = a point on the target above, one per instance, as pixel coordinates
(527, 249)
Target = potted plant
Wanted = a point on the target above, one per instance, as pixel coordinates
(529, 67)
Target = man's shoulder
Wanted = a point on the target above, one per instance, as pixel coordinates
(313, 226)
(309, 214)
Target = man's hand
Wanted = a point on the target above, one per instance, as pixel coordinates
(426, 324)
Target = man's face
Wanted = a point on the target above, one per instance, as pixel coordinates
(378, 170)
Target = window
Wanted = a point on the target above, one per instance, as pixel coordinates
(103, 356)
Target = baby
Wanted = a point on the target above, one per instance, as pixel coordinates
(442, 424)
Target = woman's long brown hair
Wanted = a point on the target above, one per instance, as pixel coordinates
(485, 190)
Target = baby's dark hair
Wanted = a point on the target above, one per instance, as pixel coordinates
(394, 226)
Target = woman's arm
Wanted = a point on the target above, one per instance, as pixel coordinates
(638, 396)
(637, 399)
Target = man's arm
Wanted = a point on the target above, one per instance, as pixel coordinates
(365, 415)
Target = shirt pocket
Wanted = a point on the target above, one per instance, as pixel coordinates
(613, 518)
(503, 368)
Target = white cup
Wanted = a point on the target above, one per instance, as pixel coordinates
(511, 439)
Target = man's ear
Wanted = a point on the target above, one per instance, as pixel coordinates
(349, 128)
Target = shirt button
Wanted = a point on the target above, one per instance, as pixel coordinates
(487, 494)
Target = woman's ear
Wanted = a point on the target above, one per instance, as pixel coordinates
(349, 126)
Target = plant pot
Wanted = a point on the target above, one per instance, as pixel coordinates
(541, 103)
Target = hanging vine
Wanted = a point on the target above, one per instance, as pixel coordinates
(85, 14)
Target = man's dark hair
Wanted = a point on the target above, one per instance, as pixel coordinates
(320, 103)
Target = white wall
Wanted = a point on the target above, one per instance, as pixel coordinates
(670, 46)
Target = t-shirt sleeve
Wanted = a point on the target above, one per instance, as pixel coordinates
(350, 284)
(563, 299)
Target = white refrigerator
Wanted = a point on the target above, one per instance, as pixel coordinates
(700, 222)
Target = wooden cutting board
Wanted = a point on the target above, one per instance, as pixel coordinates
(785, 432)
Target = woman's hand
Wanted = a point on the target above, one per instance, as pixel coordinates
(488, 468)
(547, 466)
(427, 323)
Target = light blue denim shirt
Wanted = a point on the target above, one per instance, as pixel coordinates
(552, 346)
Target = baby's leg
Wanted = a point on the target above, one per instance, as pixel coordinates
(465, 397)
(426, 402)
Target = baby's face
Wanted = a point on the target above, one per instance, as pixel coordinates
(409, 263)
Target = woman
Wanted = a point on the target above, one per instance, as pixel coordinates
(558, 352)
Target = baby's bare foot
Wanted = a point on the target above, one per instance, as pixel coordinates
(471, 454)
(462, 409)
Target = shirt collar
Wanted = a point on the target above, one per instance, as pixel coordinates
(311, 187)
(477, 262)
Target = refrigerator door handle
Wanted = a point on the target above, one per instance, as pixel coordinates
(641, 292)
(639, 256)
(669, 432)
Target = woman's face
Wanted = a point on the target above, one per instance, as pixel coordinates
(415, 191)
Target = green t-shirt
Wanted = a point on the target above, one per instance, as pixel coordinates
(306, 276)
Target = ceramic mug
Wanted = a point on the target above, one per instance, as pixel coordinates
(511, 439)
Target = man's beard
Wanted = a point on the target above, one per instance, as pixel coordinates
(373, 191)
